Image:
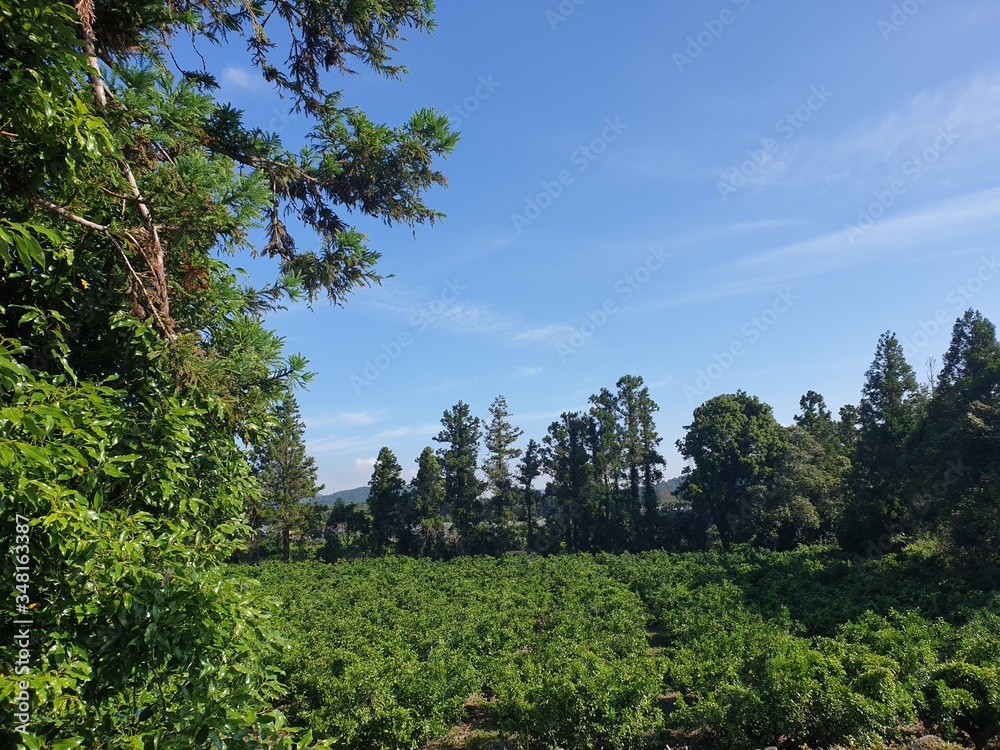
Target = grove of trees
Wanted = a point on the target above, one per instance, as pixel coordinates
(906, 462)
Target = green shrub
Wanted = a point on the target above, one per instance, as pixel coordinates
(966, 697)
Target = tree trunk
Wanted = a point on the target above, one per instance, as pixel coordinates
(531, 522)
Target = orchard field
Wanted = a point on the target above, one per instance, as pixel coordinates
(711, 650)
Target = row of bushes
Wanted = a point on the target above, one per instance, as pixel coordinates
(387, 652)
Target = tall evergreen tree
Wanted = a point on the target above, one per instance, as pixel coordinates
(499, 440)
(428, 497)
(640, 454)
(286, 473)
(847, 428)
(459, 453)
(968, 372)
(887, 415)
(952, 453)
(529, 469)
(387, 502)
(615, 527)
(628, 411)
(817, 420)
(652, 461)
(569, 462)
(625, 448)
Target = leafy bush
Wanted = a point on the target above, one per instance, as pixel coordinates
(118, 510)
(966, 697)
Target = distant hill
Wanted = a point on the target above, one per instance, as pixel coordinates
(671, 485)
(357, 495)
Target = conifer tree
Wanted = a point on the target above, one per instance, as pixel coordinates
(887, 415)
(606, 451)
(569, 462)
(428, 498)
(529, 469)
(499, 439)
(286, 473)
(387, 502)
(459, 453)
(952, 454)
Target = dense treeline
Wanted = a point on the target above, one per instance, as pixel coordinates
(906, 461)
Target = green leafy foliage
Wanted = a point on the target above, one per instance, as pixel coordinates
(388, 653)
(136, 372)
(576, 651)
(136, 633)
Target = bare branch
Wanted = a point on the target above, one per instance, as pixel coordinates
(68, 215)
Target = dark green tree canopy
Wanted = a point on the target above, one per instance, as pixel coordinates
(387, 499)
(459, 452)
(499, 440)
(970, 365)
(891, 404)
(735, 445)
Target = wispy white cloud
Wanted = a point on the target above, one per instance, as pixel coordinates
(344, 418)
(970, 220)
(450, 384)
(547, 335)
(529, 372)
(241, 78)
(449, 309)
(969, 109)
(897, 233)
(370, 442)
(744, 227)
(661, 383)
(466, 317)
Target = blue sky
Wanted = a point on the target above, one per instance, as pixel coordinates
(715, 196)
